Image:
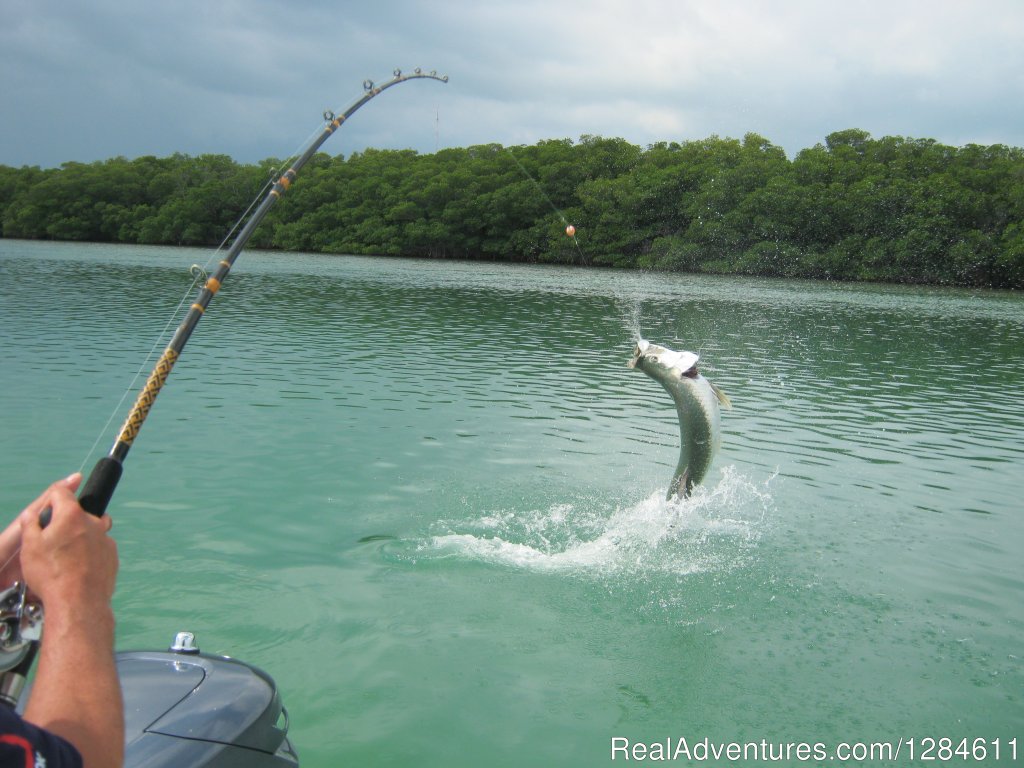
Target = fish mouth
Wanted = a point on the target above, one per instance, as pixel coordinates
(639, 351)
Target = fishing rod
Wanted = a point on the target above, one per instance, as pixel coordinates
(20, 621)
(99, 488)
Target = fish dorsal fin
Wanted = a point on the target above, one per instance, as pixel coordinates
(723, 399)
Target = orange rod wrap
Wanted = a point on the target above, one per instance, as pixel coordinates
(147, 396)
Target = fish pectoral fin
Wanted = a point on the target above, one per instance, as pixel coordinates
(723, 399)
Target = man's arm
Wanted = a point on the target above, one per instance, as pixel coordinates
(71, 565)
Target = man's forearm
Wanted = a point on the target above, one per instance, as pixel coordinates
(76, 693)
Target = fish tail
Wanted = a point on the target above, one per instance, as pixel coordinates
(681, 485)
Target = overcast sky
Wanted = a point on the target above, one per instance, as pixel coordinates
(87, 80)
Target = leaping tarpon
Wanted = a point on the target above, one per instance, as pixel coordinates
(697, 404)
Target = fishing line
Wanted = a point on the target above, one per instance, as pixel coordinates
(199, 275)
(537, 185)
(629, 307)
(98, 488)
(276, 173)
(102, 482)
(570, 230)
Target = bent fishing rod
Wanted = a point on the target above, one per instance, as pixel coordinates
(20, 620)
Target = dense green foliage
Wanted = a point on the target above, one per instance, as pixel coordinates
(853, 208)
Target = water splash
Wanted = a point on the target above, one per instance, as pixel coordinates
(713, 530)
(627, 294)
(631, 316)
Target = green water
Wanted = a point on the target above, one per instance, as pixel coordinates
(428, 498)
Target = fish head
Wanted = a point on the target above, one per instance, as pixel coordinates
(642, 345)
(663, 363)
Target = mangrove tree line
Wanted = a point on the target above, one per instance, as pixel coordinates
(852, 208)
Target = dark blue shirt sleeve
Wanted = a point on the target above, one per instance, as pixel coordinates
(22, 743)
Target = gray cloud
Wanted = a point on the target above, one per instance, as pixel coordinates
(91, 80)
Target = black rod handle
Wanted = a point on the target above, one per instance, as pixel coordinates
(100, 487)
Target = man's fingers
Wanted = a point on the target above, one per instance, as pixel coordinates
(59, 496)
(69, 483)
(72, 481)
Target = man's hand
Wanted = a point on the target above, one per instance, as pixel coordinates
(10, 537)
(71, 565)
(72, 562)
